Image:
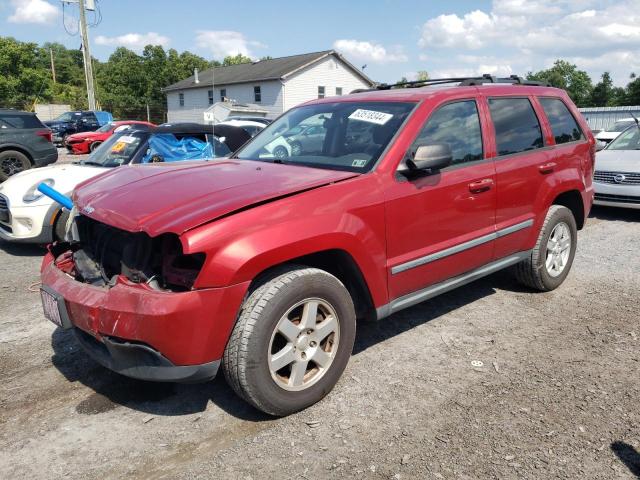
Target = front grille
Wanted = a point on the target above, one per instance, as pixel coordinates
(617, 198)
(5, 216)
(617, 178)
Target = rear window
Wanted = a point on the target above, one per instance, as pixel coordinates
(517, 127)
(19, 121)
(564, 127)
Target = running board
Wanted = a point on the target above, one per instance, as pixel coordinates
(420, 296)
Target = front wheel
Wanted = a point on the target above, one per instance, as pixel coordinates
(94, 145)
(551, 259)
(292, 341)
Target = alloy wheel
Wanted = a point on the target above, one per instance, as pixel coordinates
(558, 249)
(304, 344)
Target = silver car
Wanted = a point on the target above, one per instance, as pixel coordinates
(617, 173)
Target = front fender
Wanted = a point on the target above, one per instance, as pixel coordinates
(347, 216)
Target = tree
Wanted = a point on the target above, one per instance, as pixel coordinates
(632, 96)
(566, 75)
(603, 92)
(235, 60)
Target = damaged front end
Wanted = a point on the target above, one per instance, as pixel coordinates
(98, 254)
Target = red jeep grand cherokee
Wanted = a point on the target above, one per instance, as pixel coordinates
(262, 264)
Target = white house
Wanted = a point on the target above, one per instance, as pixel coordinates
(266, 87)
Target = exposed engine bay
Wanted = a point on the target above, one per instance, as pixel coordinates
(99, 253)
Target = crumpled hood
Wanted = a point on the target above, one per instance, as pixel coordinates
(83, 135)
(618, 161)
(159, 198)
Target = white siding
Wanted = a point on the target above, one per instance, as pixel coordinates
(329, 73)
(196, 100)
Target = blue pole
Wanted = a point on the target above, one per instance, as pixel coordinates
(56, 195)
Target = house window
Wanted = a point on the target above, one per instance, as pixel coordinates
(223, 94)
(210, 92)
(181, 99)
(338, 91)
(257, 95)
(320, 92)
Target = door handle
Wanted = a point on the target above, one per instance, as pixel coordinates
(481, 185)
(547, 168)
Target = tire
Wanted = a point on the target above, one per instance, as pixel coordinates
(535, 272)
(60, 227)
(12, 162)
(93, 146)
(257, 340)
(280, 152)
(296, 149)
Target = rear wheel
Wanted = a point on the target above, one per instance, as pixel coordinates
(292, 341)
(12, 162)
(551, 259)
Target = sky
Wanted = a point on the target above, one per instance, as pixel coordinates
(393, 38)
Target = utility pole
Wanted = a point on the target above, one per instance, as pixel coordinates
(86, 55)
(53, 66)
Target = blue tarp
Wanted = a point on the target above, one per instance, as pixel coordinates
(103, 117)
(171, 149)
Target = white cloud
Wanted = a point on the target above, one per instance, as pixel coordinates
(33, 11)
(520, 35)
(134, 41)
(370, 52)
(222, 43)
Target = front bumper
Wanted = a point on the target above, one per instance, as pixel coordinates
(145, 333)
(79, 147)
(612, 195)
(27, 224)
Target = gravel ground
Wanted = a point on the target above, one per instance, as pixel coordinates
(555, 394)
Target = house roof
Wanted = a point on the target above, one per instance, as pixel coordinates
(271, 69)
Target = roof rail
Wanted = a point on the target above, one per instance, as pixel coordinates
(463, 81)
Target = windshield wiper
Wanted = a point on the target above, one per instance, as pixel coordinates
(89, 162)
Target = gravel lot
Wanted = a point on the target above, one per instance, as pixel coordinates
(556, 394)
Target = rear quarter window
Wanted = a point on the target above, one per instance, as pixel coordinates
(516, 125)
(19, 121)
(563, 125)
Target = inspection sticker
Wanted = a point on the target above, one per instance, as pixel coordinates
(371, 116)
(359, 163)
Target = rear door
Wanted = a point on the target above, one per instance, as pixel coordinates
(523, 160)
(442, 225)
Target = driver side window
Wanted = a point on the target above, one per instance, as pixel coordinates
(456, 124)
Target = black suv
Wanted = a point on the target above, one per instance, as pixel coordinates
(24, 143)
(75, 122)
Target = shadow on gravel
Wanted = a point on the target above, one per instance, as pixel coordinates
(163, 399)
(627, 455)
(371, 333)
(22, 249)
(614, 213)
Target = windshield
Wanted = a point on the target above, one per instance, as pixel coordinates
(117, 150)
(139, 146)
(68, 117)
(341, 135)
(107, 127)
(627, 140)
(621, 125)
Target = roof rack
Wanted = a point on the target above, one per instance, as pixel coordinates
(463, 82)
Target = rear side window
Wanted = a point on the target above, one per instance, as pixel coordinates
(19, 121)
(564, 127)
(458, 125)
(517, 127)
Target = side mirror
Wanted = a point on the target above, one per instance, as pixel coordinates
(430, 158)
(600, 145)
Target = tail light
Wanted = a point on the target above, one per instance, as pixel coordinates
(46, 134)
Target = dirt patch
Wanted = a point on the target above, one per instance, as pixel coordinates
(489, 381)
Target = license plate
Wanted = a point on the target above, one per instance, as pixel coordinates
(51, 305)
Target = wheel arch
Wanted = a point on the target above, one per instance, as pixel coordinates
(338, 263)
(572, 199)
(17, 148)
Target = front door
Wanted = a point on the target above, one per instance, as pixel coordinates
(442, 225)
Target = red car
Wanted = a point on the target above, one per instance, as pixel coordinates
(87, 142)
(262, 265)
